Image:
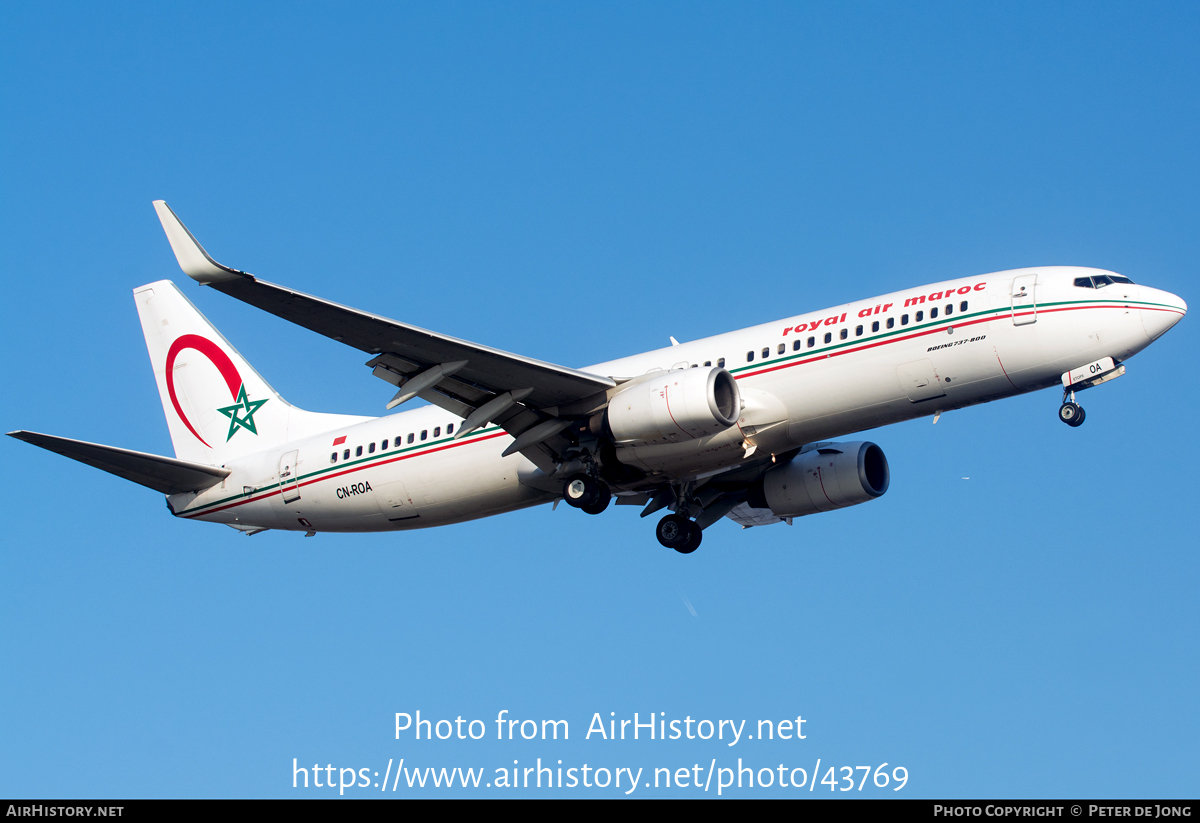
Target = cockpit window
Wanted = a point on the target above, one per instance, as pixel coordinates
(1102, 280)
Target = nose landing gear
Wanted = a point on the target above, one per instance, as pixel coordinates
(1071, 412)
(679, 533)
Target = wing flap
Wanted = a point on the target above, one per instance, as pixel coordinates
(491, 370)
(494, 370)
(163, 474)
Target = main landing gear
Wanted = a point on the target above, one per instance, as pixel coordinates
(679, 533)
(592, 495)
(587, 493)
(1071, 412)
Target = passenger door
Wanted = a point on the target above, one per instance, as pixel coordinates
(1024, 300)
(289, 477)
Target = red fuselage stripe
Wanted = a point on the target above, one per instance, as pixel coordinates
(397, 459)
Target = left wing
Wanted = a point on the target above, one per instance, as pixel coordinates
(531, 399)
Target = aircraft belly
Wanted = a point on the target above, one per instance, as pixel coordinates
(463, 486)
(894, 384)
(847, 394)
(438, 488)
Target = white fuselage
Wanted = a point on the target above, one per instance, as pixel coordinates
(806, 378)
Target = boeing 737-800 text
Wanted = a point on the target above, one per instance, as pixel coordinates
(740, 425)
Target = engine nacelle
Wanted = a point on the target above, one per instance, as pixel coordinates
(674, 406)
(833, 476)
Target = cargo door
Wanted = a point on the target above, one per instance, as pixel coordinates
(394, 501)
(289, 477)
(1024, 300)
(920, 380)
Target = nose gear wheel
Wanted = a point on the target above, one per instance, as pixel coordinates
(1072, 414)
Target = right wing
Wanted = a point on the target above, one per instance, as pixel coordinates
(524, 396)
(163, 474)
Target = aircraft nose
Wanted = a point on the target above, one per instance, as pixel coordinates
(1160, 311)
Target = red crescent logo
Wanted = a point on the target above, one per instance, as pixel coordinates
(218, 358)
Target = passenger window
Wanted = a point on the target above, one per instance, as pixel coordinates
(875, 327)
(812, 341)
(766, 353)
(425, 434)
(1084, 283)
(693, 365)
(437, 432)
(707, 363)
(949, 309)
(932, 313)
(828, 337)
(904, 320)
(371, 448)
(844, 333)
(858, 330)
(749, 357)
(346, 454)
(383, 445)
(796, 345)
(358, 452)
(920, 316)
(449, 428)
(891, 322)
(962, 306)
(410, 437)
(721, 363)
(782, 348)
(333, 457)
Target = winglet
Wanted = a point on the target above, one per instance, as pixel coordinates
(193, 259)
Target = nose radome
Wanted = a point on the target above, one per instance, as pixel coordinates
(1160, 311)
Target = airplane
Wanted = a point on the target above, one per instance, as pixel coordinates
(740, 426)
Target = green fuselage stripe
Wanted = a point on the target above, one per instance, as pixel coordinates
(340, 467)
(991, 313)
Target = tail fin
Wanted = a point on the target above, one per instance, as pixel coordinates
(218, 407)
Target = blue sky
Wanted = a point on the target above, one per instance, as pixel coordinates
(576, 183)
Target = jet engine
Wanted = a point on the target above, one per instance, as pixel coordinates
(831, 476)
(671, 407)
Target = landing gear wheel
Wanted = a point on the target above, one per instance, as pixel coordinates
(581, 491)
(694, 537)
(673, 531)
(1078, 421)
(1070, 413)
(603, 498)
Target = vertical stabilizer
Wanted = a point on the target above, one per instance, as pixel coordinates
(218, 407)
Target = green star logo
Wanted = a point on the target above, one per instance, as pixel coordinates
(247, 407)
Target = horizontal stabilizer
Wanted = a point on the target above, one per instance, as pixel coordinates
(163, 474)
